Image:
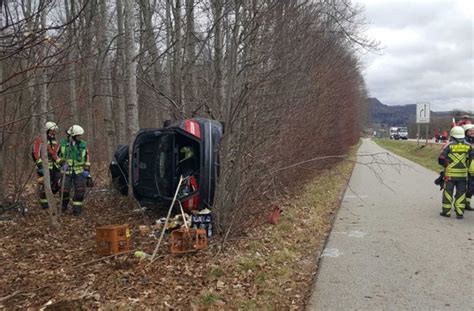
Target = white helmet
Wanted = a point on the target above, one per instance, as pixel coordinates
(466, 127)
(75, 130)
(50, 125)
(457, 132)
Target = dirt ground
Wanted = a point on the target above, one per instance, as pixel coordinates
(271, 266)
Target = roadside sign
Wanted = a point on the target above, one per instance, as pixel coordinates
(423, 113)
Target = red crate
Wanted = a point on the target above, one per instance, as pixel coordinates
(112, 239)
(186, 240)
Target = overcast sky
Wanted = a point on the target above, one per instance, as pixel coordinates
(427, 53)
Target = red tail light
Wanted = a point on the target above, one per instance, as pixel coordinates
(192, 127)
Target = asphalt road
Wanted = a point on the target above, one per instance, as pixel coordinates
(389, 249)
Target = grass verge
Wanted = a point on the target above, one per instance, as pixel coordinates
(425, 155)
(273, 268)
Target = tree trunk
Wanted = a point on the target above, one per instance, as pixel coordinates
(104, 70)
(218, 55)
(121, 87)
(232, 67)
(189, 87)
(169, 43)
(43, 80)
(71, 59)
(150, 44)
(177, 80)
(2, 133)
(131, 79)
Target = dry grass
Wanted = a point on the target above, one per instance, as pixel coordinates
(274, 267)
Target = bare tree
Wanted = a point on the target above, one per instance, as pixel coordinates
(133, 126)
(43, 108)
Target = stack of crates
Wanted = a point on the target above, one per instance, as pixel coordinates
(112, 239)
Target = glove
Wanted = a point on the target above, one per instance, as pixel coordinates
(65, 167)
(40, 172)
(39, 164)
(86, 174)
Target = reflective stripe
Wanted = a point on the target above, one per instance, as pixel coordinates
(458, 160)
(448, 196)
(75, 156)
(43, 201)
(460, 200)
(76, 203)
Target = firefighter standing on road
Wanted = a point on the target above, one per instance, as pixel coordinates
(455, 158)
(74, 160)
(469, 133)
(54, 173)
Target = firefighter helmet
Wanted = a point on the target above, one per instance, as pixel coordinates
(457, 132)
(75, 130)
(50, 125)
(467, 127)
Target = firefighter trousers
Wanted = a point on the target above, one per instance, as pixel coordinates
(78, 182)
(459, 199)
(55, 176)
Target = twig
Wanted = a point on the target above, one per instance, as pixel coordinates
(15, 293)
(106, 257)
(20, 292)
(310, 160)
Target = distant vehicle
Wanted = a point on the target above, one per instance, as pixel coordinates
(403, 133)
(394, 133)
(398, 133)
(187, 147)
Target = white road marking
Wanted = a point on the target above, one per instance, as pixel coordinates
(357, 234)
(331, 252)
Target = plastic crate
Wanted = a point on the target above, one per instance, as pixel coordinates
(202, 221)
(185, 240)
(112, 239)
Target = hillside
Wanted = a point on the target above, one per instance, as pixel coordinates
(390, 115)
(382, 114)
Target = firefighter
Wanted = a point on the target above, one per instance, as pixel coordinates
(469, 138)
(74, 160)
(54, 172)
(455, 158)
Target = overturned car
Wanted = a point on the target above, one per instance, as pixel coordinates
(188, 148)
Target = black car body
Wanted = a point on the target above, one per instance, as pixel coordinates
(187, 148)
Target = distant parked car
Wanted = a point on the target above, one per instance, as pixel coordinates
(398, 133)
(160, 156)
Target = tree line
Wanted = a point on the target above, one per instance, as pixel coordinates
(284, 76)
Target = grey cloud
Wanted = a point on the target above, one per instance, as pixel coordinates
(428, 53)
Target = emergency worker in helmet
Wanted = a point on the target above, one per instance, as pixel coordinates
(457, 159)
(54, 172)
(74, 161)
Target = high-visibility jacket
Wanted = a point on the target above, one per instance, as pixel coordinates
(52, 147)
(458, 160)
(75, 154)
